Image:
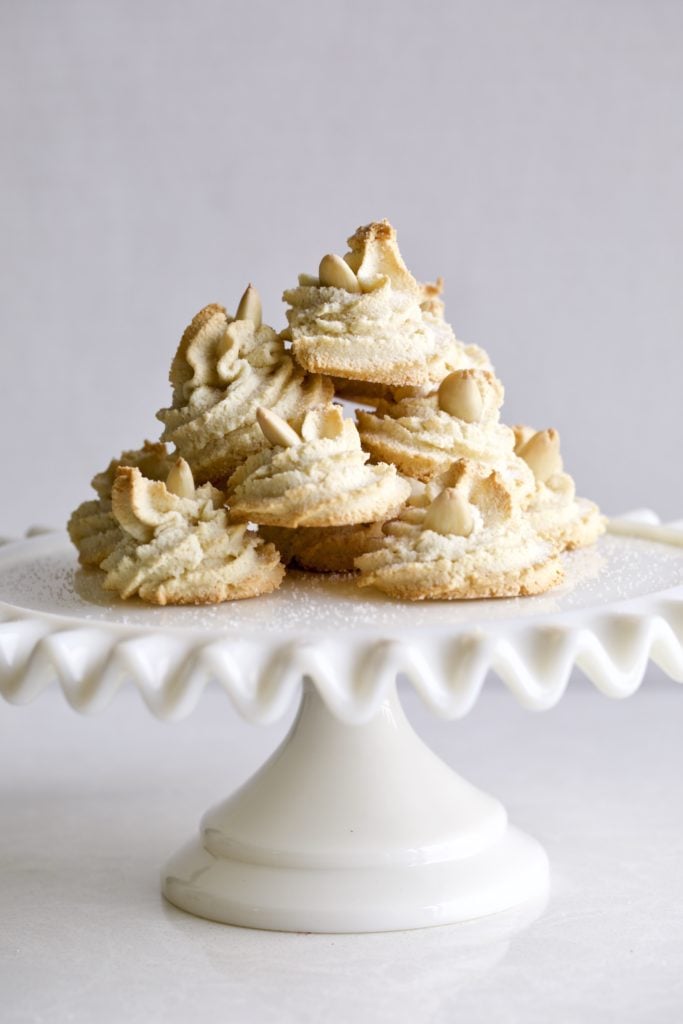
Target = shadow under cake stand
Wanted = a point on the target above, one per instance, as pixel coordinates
(353, 824)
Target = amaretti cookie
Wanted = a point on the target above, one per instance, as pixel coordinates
(424, 436)
(315, 475)
(569, 522)
(326, 548)
(223, 370)
(178, 547)
(471, 540)
(92, 526)
(362, 317)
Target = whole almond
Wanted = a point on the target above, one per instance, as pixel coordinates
(334, 272)
(460, 396)
(542, 454)
(249, 307)
(449, 513)
(276, 430)
(180, 480)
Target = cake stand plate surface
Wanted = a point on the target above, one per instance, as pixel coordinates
(353, 824)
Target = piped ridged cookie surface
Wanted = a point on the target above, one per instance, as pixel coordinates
(470, 540)
(178, 547)
(366, 318)
(314, 476)
(223, 371)
(92, 527)
(424, 436)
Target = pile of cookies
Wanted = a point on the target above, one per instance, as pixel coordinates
(426, 495)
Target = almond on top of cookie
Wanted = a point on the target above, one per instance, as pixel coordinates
(558, 514)
(314, 473)
(469, 539)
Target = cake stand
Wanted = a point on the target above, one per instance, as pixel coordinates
(353, 824)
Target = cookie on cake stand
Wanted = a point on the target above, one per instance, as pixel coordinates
(469, 540)
(365, 318)
(177, 546)
(314, 476)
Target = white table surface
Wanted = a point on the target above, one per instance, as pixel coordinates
(91, 807)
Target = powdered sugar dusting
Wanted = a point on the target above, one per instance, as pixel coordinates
(42, 575)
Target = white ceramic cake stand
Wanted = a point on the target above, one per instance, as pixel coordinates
(353, 824)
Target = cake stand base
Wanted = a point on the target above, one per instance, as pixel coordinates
(354, 828)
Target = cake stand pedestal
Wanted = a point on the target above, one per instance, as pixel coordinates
(354, 828)
(353, 824)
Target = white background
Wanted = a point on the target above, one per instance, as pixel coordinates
(157, 155)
